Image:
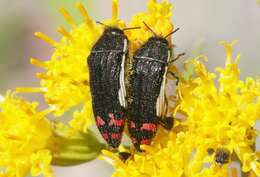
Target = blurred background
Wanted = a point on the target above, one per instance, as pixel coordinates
(203, 24)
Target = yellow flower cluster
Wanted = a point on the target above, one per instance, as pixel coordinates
(24, 136)
(216, 113)
(216, 116)
(157, 17)
(65, 84)
(223, 115)
(30, 143)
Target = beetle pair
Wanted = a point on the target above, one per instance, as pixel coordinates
(146, 110)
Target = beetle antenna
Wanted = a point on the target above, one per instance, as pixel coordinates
(172, 33)
(150, 29)
(98, 22)
(125, 29)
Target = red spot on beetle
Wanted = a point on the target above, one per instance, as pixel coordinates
(149, 127)
(145, 141)
(115, 135)
(100, 121)
(105, 136)
(132, 124)
(114, 121)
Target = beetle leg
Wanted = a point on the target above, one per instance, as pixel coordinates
(166, 122)
(124, 155)
(176, 58)
(166, 105)
(175, 76)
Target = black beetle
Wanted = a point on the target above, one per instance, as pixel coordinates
(147, 105)
(107, 83)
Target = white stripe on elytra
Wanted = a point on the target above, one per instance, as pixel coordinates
(122, 90)
(160, 104)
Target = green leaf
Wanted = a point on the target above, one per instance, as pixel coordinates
(73, 148)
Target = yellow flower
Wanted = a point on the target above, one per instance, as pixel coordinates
(30, 143)
(216, 116)
(24, 136)
(65, 83)
(158, 18)
(223, 114)
(173, 159)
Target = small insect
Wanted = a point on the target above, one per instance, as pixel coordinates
(107, 83)
(147, 108)
(222, 156)
(210, 151)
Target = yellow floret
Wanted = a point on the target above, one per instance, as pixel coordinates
(65, 84)
(24, 136)
(215, 116)
(157, 17)
(223, 114)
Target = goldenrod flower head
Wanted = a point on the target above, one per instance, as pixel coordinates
(223, 114)
(24, 136)
(157, 17)
(65, 84)
(217, 116)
